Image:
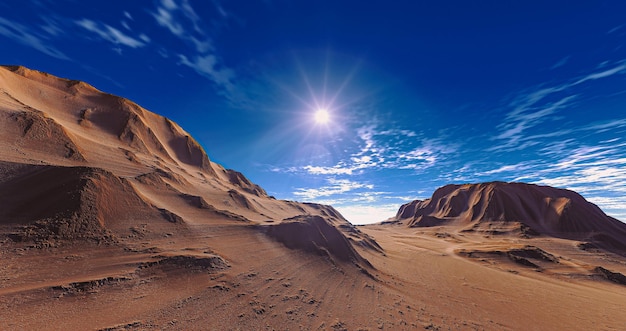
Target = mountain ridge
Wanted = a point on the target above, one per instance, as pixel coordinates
(527, 209)
(69, 127)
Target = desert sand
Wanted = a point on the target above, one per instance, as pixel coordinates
(114, 218)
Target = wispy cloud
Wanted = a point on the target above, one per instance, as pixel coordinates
(545, 104)
(168, 12)
(619, 69)
(424, 156)
(598, 172)
(516, 168)
(615, 29)
(333, 187)
(358, 202)
(614, 206)
(52, 25)
(320, 170)
(112, 34)
(528, 112)
(209, 66)
(560, 63)
(26, 36)
(182, 21)
(376, 149)
(607, 125)
(164, 17)
(387, 149)
(602, 167)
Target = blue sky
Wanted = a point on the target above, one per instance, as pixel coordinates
(420, 93)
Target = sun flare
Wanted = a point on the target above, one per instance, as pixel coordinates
(322, 116)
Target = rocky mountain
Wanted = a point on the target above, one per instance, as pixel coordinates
(525, 209)
(80, 163)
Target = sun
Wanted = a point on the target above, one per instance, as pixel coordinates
(322, 116)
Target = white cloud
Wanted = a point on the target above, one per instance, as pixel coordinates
(426, 155)
(560, 63)
(334, 187)
(527, 114)
(385, 149)
(201, 46)
(362, 159)
(506, 168)
(534, 108)
(191, 15)
(377, 149)
(335, 170)
(164, 17)
(597, 172)
(612, 206)
(421, 155)
(52, 26)
(579, 155)
(620, 69)
(599, 127)
(182, 21)
(583, 168)
(112, 34)
(25, 36)
(209, 66)
(613, 124)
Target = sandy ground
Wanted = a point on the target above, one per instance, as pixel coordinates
(113, 218)
(420, 282)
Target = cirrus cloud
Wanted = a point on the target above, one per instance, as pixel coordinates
(112, 34)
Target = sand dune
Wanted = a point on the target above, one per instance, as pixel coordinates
(114, 218)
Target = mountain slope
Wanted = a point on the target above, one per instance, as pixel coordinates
(527, 209)
(68, 113)
(115, 165)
